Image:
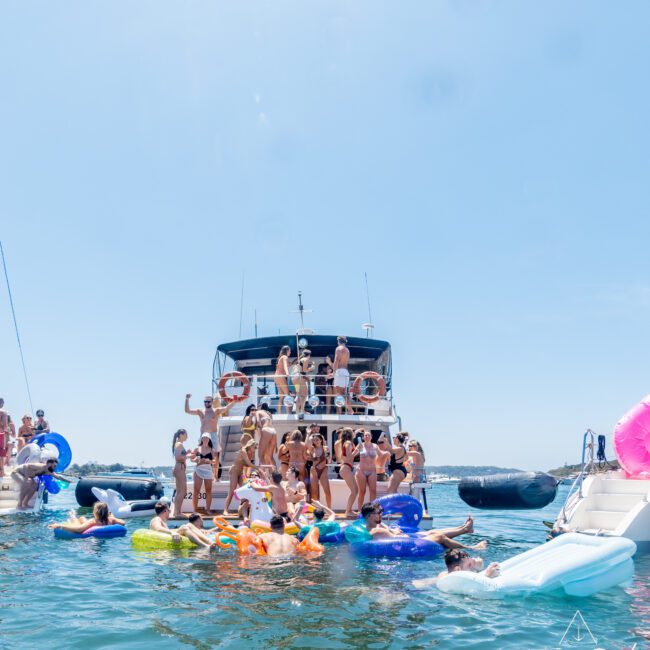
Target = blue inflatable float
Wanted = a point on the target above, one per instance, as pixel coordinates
(329, 532)
(409, 545)
(101, 532)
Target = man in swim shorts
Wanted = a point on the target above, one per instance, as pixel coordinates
(341, 373)
(25, 474)
(210, 423)
(373, 513)
(277, 542)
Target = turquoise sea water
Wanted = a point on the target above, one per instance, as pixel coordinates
(101, 593)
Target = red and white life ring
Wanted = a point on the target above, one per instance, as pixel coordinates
(234, 375)
(377, 378)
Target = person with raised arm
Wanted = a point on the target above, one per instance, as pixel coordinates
(209, 417)
(297, 453)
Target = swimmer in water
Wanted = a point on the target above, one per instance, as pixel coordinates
(457, 559)
(277, 542)
(101, 517)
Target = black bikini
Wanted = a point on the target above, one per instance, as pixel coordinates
(394, 464)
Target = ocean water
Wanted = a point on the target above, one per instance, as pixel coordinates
(103, 594)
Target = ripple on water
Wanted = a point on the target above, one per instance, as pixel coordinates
(101, 593)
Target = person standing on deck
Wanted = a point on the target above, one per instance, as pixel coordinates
(341, 373)
(209, 423)
(4, 417)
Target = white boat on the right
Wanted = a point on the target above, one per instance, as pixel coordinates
(608, 503)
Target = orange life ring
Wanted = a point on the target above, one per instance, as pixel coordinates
(377, 378)
(234, 375)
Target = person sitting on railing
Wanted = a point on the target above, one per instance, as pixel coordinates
(282, 377)
(415, 462)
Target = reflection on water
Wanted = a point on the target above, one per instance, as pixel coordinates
(99, 593)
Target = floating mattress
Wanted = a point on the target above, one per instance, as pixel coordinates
(102, 532)
(572, 564)
(145, 539)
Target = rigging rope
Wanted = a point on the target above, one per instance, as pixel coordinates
(13, 312)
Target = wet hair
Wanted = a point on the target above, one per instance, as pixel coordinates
(319, 513)
(277, 522)
(101, 512)
(195, 516)
(368, 509)
(276, 477)
(160, 507)
(295, 470)
(285, 349)
(454, 557)
(296, 435)
(249, 408)
(177, 435)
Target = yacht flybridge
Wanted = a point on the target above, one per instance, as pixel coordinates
(245, 370)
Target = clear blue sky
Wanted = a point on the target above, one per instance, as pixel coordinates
(486, 163)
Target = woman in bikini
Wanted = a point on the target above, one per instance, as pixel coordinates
(282, 377)
(318, 454)
(268, 437)
(297, 453)
(248, 425)
(382, 457)
(348, 452)
(294, 489)
(416, 462)
(366, 474)
(25, 432)
(305, 366)
(242, 460)
(101, 517)
(180, 470)
(396, 466)
(283, 453)
(203, 473)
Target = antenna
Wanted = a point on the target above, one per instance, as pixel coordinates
(369, 327)
(302, 311)
(241, 304)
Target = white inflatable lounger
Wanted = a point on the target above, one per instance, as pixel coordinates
(578, 565)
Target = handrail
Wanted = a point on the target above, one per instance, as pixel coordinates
(587, 463)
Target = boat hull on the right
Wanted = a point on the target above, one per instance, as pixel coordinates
(609, 504)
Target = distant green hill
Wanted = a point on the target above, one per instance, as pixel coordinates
(470, 470)
(561, 472)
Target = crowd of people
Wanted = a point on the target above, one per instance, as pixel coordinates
(12, 440)
(303, 454)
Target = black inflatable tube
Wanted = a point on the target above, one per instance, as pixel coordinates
(522, 491)
(132, 489)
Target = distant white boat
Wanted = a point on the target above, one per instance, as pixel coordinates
(442, 479)
(131, 472)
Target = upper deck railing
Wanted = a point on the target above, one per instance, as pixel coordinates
(366, 392)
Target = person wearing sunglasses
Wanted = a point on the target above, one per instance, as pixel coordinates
(383, 457)
(41, 425)
(209, 417)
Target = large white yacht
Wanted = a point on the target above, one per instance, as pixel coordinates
(373, 405)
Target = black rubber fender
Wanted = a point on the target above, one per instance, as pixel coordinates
(521, 491)
(132, 489)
